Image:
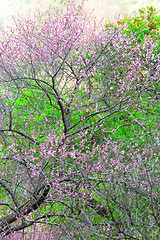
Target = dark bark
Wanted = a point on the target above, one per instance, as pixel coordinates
(32, 206)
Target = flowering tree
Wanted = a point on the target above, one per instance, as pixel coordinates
(79, 129)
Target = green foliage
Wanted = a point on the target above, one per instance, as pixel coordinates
(145, 23)
(35, 112)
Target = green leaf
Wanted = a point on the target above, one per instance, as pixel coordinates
(96, 75)
(87, 56)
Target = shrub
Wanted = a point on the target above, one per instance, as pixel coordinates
(146, 22)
